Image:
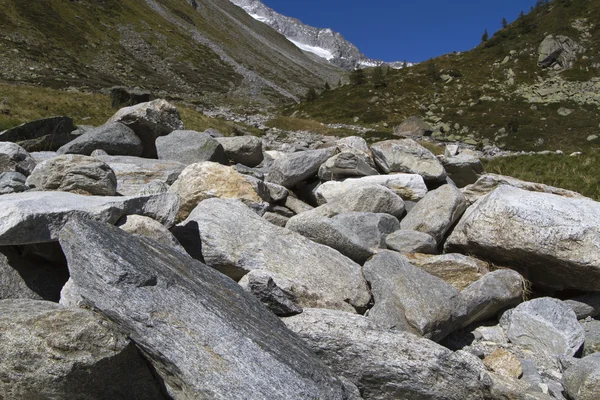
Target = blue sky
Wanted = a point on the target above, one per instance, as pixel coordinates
(412, 30)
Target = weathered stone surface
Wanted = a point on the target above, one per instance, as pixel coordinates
(436, 213)
(277, 193)
(208, 180)
(133, 173)
(39, 156)
(114, 138)
(409, 299)
(12, 182)
(406, 241)
(144, 226)
(235, 240)
(276, 219)
(40, 135)
(189, 147)
(296, 205)
(75, 174)
(413, 126)
(463, 169)
(280, 301)
(121, 96)
(489, 182)
(294, 168)
(50, 351)
(545, 325)
(456, 269)
(587, 305)
(370, 228)
(555, 238)
(582, 380)
(149, 121)
(387, 364)
(346, 164)
(406, 155)
(407, 186)
(592, 337)
(14, 158)
(246, 150)
(505, 363)
(37, 217)
(152, 187)
(558, 51)
(204, 335)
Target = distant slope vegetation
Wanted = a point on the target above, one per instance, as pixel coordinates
(494, 94)
(209, 50)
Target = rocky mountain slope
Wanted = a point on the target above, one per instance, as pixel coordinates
(210, 51)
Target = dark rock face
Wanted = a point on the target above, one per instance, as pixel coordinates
(46, 134)
(113, 138)
(121, 96)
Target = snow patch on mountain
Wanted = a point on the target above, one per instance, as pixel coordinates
(319, 51)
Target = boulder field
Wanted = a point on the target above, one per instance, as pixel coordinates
(140, 260)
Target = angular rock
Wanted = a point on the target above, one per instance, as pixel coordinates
(587, 305)
(370, 228)
(203, 334)
(456, 269)
(386, 364)
(144, 226)
(207, 180)
(46, 134)
(413, 126)
(505, 363)
(545, 325)
(37, 217)
(554, 238)
(582, 380)
(14, 158)
(439, 210)
(133, 173)
(409, 299)
(353, 143)
(346, 164)
(253, 172)
(406, 241)
(294, 168)
(233, 239)
(189, 147)
(75, 174)
(592, 337)
(149, 121)
(277, 193)
(463, 169)
(558, 51)
(276, 219)
(246, 150)
(280, 301)
(406, 155)
(296, 205)
(12, 182)
(114, 138)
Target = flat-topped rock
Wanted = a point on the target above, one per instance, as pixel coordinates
(114, 138)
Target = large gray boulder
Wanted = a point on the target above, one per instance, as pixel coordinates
(12, 182)
(592, 337)
(545, 325)
(50, 351)
(149, 121)
(388, 365)
(582, 380)
(114, 138)
(14, 158)
(587, 305)
(556, 237)
(371, 228)
(413, 126)
(235, 240)
(436, 213)
(75, 174)
(406, 155)
(407, 241)
(46, 134)
(246, 150)
(456, 269)
(347, 164)
(133, 173)
(558, 52)
(203, 334)
(144, 226)
(463, 169)
(37, 217)
(262, 285)
(294, 168)
(189, 147)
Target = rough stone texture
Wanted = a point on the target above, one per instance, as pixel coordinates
(296, 205)
(436, 213)
(50, 351)
(413, 126)
(277, 193)
(331, 233)
(246, 150)
(346, 164)
(75, 174)
(207, 180)
(144, 226)
(276, 219)
(189, 147)
(370, 228)
(463, 169)
(14, 158)
(592, 337)
(235, 240)
(294, 168)
(587, 305)
(280, 301)
(489, 182)
(406, 241)
(353, 143)
(505, 363)
(37, 217)
(555, 238)
(133, 173)
(559, 52)
(149, 121)
(114, 138)
(386, 364)
(46, 134)
(204, 335)
(406, 155)
(545, 325)
(121, 96)
(152, 187)
(456, 269)
(408, 186)
(12, 182)
(409, 299)
(582, 380)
